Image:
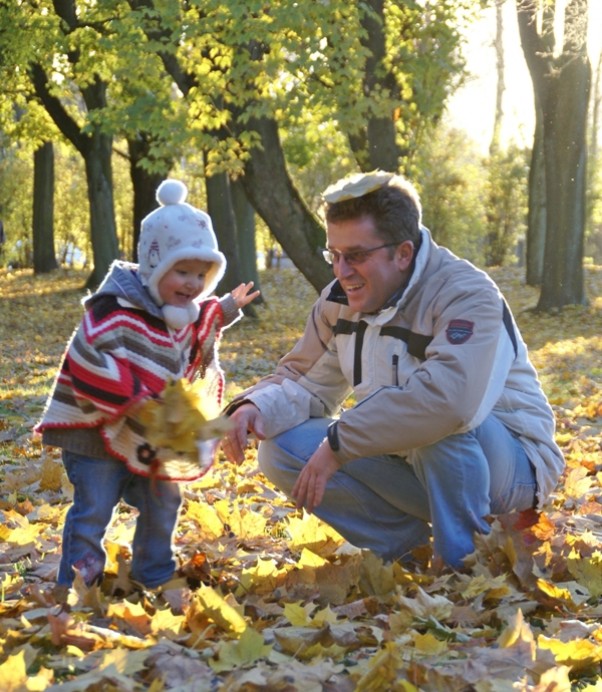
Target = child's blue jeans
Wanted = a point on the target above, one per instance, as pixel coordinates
(391, 506)
(99, 485)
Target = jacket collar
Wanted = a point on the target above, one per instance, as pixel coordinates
(123, 282)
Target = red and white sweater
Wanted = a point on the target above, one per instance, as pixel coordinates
(122, 353)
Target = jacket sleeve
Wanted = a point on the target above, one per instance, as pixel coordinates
(308, 381)
(452, 391)
(230, 310)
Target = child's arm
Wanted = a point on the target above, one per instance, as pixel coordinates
(232, 302)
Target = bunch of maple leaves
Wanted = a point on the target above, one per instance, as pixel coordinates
(275, 599)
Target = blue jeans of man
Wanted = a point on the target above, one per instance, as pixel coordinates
(390, 506)
(99, 485)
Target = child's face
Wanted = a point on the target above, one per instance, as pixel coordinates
(183, 282)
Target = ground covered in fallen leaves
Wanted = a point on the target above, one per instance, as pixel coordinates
(278, 600)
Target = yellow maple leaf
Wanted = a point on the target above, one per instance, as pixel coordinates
(568, 592)
(123, 660)
(324, 616)
(243, 652)
(133, 614)
(309, 531)
(429, 644)
(51, 477)
(298, 640)
(310, 559)
(517, 632)
(577, 483)
(243, 522)
(181, 416)
(264, 576)
(423, 605)
(25, 534)
(210, 525)
(333, 651)
(220, 612)
(167, 623)
(381, 671)
(576, 653)
(13, 673)
(297, 614)
(588, 572)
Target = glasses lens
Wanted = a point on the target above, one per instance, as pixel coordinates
(357, 257)
(352, 258)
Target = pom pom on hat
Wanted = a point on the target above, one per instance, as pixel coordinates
(173, 232)
(171, 192)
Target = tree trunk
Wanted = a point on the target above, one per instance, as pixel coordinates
(561, 82)
(593, 235)
(536, 214)
(219, 208)
(376, 146)
(103, 232)
(95, 148)
(144, 185)
(565, 154)
(276, 200)
(500, 86)
(44, 257)
(245, 226)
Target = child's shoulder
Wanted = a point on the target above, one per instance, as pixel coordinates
(211, 310)
(122, 312)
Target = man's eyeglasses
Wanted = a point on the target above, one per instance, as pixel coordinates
(354, 257)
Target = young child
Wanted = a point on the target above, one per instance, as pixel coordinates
(147, 325)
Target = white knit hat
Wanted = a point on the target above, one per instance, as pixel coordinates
(177, 231)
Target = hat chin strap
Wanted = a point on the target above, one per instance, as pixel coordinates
(178, 317)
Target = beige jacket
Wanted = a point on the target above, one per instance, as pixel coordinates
(437, 362)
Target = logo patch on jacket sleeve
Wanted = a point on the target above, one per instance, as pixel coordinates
(459, 331)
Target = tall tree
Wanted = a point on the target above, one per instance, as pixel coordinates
(145, 181)
(500, 84)
(245, 226)
(246, 73)
(561, 75)
(74, 36)
(163, 34)
(536, 206)
(375, 143)
(44, 257)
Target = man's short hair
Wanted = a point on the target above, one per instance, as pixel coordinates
(394, 207)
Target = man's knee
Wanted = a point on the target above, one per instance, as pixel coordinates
(276, 465)
(265, 456)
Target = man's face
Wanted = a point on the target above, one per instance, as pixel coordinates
(369, 279)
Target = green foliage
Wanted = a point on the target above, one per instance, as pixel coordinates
(506, 211)
(16, 183)
(71, 214)
(424, 52)
(475, 206)
(452, 188)
(190, 76)
(317, 154)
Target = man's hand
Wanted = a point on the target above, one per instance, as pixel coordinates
(309, 489)
(246, 420)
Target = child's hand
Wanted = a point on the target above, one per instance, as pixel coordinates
(242, 296)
